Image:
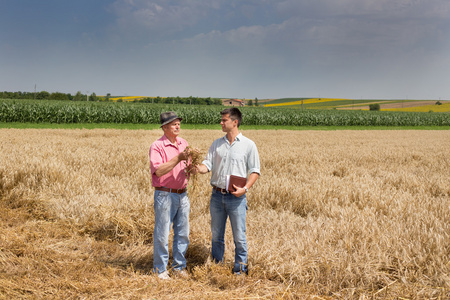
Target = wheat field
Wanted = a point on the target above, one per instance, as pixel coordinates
(334, 215)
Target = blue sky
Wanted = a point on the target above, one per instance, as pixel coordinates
(384, 49)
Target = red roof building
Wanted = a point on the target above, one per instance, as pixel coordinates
(233, 102)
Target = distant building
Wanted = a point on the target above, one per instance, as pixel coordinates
(233, 102)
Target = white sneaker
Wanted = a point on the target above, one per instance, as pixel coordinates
(164, 275)
(182, 274)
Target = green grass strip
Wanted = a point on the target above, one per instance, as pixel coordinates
(18, 125)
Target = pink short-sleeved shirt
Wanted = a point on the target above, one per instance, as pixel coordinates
(161, 151)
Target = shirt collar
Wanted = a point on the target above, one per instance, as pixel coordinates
(237, 139)
(168, 143)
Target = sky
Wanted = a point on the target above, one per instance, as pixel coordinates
(356, 49)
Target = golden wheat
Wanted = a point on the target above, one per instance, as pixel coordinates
(335, 214)
(195, 158)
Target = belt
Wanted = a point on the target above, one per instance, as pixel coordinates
(179, 191)
(223, 191)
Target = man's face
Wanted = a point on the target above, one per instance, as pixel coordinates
(172, 129)
(227, 123)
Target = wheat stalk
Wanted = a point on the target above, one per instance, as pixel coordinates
(195, 159)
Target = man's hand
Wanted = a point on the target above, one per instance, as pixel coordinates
(239, 191)
(183, 156)
(193, 170)
(166, 167)
(202, 169)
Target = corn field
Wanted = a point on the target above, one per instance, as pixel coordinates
(139, 113)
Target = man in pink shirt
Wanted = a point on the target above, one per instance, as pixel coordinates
(168, 168)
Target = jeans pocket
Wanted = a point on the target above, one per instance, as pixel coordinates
(162, 199)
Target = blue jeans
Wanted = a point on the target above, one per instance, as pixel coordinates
(221, 207)
(170, 208)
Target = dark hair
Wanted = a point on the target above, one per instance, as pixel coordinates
(235, 114)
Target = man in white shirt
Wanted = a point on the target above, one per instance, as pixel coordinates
(233, 154)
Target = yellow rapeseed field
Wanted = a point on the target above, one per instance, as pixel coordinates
(445, 107)
(335, 215)
(305, 101)
(127, 98)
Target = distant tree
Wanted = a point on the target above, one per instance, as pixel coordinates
(6, 95)
(58, 96)
(196, 100)
(256, 101)
(375, 107)
(43, 95)
(250, 102)
(93, 97)
(438, 103)
(78, 96)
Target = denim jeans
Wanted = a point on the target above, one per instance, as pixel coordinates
(170, 208)
(221, 207)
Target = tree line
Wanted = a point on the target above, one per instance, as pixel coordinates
(180, 100)
(44, 95)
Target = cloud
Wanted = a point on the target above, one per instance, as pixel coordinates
(363, 8)
(351, 25)
(235, 48)
(159, 19)
(319, 35)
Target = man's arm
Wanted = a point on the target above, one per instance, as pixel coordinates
(166, 167)
(251, 180)
(202, 169)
